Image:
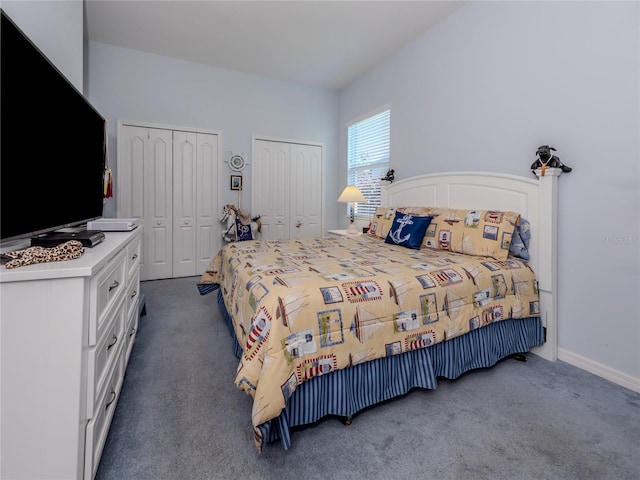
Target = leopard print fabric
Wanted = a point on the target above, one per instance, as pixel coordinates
(67, 251)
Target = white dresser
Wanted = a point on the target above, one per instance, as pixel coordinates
(67, 330)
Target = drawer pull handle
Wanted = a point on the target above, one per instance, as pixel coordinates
(134, 293)
(113, 342)
(115, 284)
(111, 400)
(135, 256)
(132, 332)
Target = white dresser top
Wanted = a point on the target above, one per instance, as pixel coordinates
(92, 260)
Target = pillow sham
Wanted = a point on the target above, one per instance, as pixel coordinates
(407, 230)
(486, 233)
(519, 247)
(382, 221)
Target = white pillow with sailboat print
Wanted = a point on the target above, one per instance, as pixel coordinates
(485, 233)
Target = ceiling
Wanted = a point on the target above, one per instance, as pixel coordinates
(315, 43)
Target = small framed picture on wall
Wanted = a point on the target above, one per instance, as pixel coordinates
(236, 182)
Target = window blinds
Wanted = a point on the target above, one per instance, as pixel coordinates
(368, 158)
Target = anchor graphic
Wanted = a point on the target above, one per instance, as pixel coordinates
(395, 235)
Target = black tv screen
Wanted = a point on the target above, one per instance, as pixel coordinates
(52, 144)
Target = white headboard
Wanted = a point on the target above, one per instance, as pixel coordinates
(534, 199)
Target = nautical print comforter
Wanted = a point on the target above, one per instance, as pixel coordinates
(303, 308)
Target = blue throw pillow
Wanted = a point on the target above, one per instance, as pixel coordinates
(408, 230)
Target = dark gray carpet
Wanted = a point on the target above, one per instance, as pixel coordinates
(179, 416)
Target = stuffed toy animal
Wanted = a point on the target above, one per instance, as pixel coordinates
(239, 224)
(389, 176)
(546, 159)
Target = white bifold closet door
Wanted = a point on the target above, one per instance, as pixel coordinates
(195, 223)
(286, 189)
(168, 179)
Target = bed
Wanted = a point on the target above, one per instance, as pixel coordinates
(457, 273)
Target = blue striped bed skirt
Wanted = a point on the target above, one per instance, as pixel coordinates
(345, 392)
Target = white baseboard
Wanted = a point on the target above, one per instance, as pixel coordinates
(600, 370)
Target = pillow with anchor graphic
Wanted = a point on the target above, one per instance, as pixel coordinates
(408, 230)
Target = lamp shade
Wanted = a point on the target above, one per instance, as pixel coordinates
(351, 193)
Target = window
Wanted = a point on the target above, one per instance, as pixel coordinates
(368, 158)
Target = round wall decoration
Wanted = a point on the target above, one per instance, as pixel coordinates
(236, 163)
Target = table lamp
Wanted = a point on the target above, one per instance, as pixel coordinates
(350, 195)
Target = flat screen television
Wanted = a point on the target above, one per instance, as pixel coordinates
(52, 144)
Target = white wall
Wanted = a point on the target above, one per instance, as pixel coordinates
(485, 88)
(56, 27)
(131, 85)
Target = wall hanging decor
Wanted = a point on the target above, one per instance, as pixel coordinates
(236, 182)
(237, 163)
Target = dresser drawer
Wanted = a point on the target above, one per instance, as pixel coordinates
(133, 292)
(98, 426)
(130, 333)
(102, 358)
(107, 287)
(133, 256)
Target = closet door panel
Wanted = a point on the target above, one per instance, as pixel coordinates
(207, 226)
(184, 204)
(137, 175)
(270, 188)
(306, 191)
(158, 221)
(157, 256)
(130, 197)
(279, 199)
